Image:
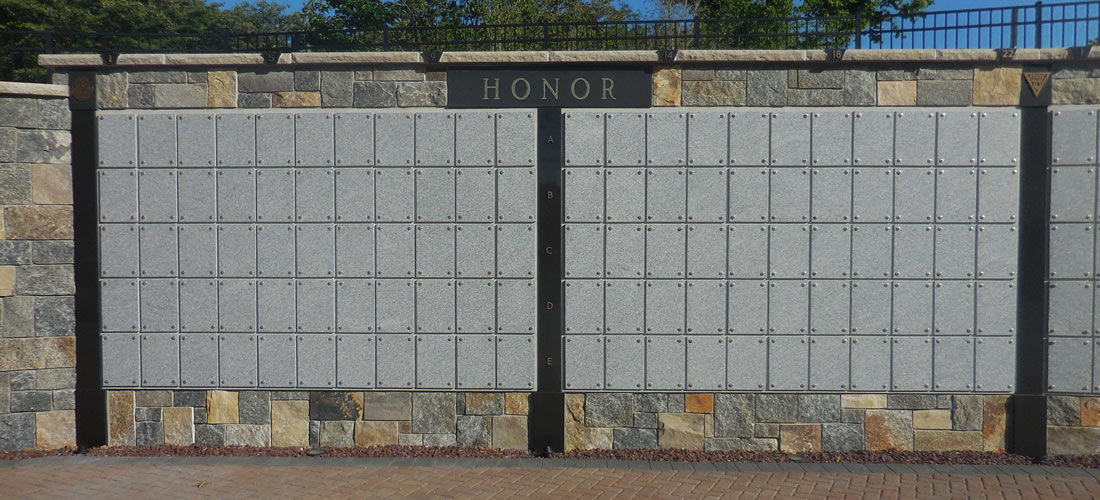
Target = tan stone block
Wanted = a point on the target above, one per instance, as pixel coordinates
(888, 430)
(599, 438)
(932, 419)
(800, 438)
(680, 430)
(221, 407)
(296, 100)
(38, 222)
(994, 423)
(1090, 411)
(897, 93)
(667, 83)
(375, 433)
(7, 281)
(575, 436)
(405, 427)
(179, 425)
(120, 418)
(3, 235)
(863, 401)
(708, 425)
(516, 403)
(221, 89)
(699, 403)
(1076, 91)
(37, 353)
(510, 432)
(153, 398)
(997, 86)
(355, 57)
(604, 56)
(55, 429)
(52, 184)
(487, 57)
(1072, 440)
(947, 440)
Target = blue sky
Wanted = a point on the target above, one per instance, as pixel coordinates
(644, 5)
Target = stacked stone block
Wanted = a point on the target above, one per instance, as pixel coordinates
(301, 419)
(37, 319)
(1073, 425)
(794, 423)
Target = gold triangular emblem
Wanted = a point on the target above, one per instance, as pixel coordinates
(1037, 81)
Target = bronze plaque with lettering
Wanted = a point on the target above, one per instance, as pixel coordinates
(549, 87)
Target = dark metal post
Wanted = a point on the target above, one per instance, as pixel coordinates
(546, 35)
(546, 424)
(49, 41)
(385, 37)
(859, 30)
(697, 35)
(1015, 25)
(1038, 25)
(1029, 420)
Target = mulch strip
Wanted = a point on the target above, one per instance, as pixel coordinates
(656, 455)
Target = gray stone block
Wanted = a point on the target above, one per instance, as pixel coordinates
(336, 434)
(897, 74)
(460, 405)
(64, 400)
(305, 81)
(821, 78)
(31, 401)
(147, 414)
(44, 280)
(375, 94)
(819, 408)
(422, 94)
(43, 146)
(698, 74)
(729, 74)
(635, 439)
(364, 75)
(50, 252)
(474, 430)
(197, 76)
(944, 74)
(248, 435)
(289, 396)
(149, 434)
(15, 252)
(779, 408)
(56, 378)
(676, 403)
(1064, 410)
(608, 410)
(17, 317)
(815, 97)
(110, 90)
(19, 112)
(59, 78)
(399, 74)
(17, 431)
(410, 439)
(253, 101)
(766, 431)
(54, 114)
(201, 415)
(841, 437)
(213, 435)
(653, 403)
(645, 420)
(336, 88)
(55, 316)
(22, 380)
(194, 399)
(944, 92)
(180, 95)
(733, 415)
(911, 401)
(967, 411)
(153, 398)
(860, 88)
(943, 402)
(736, 443)
(387, 406)
(267, 81)
(7, 144)
(767, 88)
(254, 407)
(433, 413)
(333, 406)
(158, 77)
(314, 433)
(15, 184)
(713, 93)
(140, 97)
(440, 440)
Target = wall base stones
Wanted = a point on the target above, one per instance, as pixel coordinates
(1073, 425)
(299, 419)
(792, 423)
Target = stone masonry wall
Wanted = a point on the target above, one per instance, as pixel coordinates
(794, 423)
(37, 319)
(1073, 425)
(301, 419)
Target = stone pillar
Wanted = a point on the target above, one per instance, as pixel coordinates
(37, 317)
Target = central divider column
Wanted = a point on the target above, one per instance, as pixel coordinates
(546, 415)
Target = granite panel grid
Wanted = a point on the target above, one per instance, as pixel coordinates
(826, 246)
(1072, 325)
(340, 233)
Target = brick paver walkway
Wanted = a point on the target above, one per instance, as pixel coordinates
(240, 477)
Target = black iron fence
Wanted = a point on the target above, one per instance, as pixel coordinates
(1026, 26)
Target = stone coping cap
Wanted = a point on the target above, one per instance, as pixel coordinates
(33, 89)
(578, 56)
